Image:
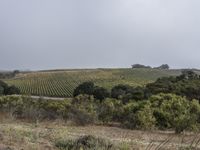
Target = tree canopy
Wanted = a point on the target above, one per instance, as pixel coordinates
(187, 84)
(8, 90)
(90, 89)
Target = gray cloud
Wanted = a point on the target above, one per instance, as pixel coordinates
(44, 34)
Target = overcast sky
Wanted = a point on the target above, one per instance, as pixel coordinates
(49, 34)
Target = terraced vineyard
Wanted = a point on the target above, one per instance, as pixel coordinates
(62, 83)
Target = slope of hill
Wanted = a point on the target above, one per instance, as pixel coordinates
(62, 83)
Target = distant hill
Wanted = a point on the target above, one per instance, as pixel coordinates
(61, 83)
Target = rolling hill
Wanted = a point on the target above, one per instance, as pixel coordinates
(61, 83)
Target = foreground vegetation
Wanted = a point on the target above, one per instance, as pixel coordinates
(62, 83)
(57, 135)
(17, 135)
(162, 111)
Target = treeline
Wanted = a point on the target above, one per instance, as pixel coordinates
(187, 84)
(163, 66)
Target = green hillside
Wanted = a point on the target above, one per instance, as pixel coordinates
(62, 83)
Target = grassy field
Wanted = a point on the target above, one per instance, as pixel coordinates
(62, 83)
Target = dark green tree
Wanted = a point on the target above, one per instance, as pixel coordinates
(187, 84)
(8, 90)
(138, 93)
(100, 93)
(163, 66)
(3, 84)
(12, 90)
(1, 90)
(84, 88)
(120, 91)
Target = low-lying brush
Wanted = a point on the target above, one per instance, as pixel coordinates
(87, 142)
(162, 111)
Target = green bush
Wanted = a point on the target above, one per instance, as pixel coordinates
(163, 111)
(172, 111)
(110, 110)
(120, 91)
(145, 119)
(26, 107)
(139, 115)
(54, 109)
(84, 110)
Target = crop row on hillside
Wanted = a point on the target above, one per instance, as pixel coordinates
(62, 83)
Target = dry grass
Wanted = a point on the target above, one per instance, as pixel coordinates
(19, 135)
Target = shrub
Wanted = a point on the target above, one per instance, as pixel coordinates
(83, 110)
(54, 109)
(138, 93)
(145, 119)
(26, 107)
(87, 142)
(165, 111)
(100, 93)
(139, 115)
(172, 111)
(120, 90)
(110, 110)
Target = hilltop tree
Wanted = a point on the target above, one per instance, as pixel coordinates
(139, 66)
(163, 66)
(16, 72)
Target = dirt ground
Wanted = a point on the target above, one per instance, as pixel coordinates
(20, 135)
